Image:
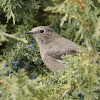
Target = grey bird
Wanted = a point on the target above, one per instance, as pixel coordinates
(52, 47)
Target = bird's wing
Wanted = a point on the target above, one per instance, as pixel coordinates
(57, 54)
(62, 46)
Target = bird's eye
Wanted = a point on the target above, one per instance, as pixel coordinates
(41, 31)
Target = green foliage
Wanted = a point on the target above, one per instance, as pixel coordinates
(19, 10)
(4, 36)
(79, 20)
(84, 74)
(23, 76)
(20, 87)
(24, 54)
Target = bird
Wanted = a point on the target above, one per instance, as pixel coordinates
(52, 46)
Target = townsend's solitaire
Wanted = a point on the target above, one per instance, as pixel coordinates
(52, 47)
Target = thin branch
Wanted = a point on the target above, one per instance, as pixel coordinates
(14, 37)
(67, 91)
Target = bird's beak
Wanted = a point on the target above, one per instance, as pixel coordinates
(28, 32)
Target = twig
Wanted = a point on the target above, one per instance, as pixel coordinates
(5, 85)
(80, 3)
(67, 91)
(14, 37)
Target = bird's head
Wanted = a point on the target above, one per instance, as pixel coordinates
(43, 34)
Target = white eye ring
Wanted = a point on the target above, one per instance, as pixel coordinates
(41, 31)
